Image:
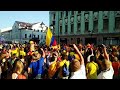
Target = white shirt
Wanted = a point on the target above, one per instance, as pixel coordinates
(80, 74)
(106, 74)
(14, 76)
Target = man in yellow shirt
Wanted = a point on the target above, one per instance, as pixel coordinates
(14, 51)
(61, 63)
(92, 68)
(22, 51)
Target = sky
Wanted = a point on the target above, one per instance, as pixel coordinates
(7, 18)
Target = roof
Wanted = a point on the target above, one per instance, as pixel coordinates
(6, 29)
(23, 24)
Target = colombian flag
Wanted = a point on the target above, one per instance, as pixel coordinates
(50, 39)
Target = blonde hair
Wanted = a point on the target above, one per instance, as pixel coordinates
(106, 64)
(19, 67)
(75, 65)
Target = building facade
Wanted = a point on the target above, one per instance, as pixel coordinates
(6, 34)
(86, 27)
(22, 32)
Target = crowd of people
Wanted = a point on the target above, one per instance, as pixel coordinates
(31, 61)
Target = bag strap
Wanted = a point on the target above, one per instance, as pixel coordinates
(95, 65)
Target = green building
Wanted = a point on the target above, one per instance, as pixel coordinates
(86, 27)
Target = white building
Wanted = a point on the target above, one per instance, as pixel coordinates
(6, 33)
(22, 32)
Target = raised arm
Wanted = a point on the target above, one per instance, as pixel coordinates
(43, 53)
(79, 53)
(105, 52)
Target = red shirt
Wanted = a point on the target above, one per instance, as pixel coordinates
(21, 77)
(116, 66)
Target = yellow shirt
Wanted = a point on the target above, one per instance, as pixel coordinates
(61, 64)
(22, 53)
(91, 69)
(15, 51)
(52, 69)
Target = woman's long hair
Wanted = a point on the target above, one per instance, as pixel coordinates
(18, 66)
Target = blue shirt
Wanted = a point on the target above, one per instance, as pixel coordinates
(37, 67)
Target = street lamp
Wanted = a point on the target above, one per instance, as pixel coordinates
(52, 28)
(43, 27)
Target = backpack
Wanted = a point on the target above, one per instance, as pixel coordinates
(65, 70)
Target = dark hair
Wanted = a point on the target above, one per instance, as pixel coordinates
(21, 56)
(14, 64)
(52, 59)
(64, 56)
(89, 51)
(40, 51)
(92, 58)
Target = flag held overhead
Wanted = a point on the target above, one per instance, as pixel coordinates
(50, 39)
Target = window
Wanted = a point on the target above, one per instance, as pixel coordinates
(79, 12)
(78, 27)
(95, 25)
(72, 12)
(61, 14)
(53, 16)
(105, 24)
(38, 36)
(72, 27)
(60, 29)
(30, 35)
(53, 22)
(66, 28)
(86, 17)
(25, 35)
(34, 36)
(86, 26)
(117, 23)
(66, 13)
